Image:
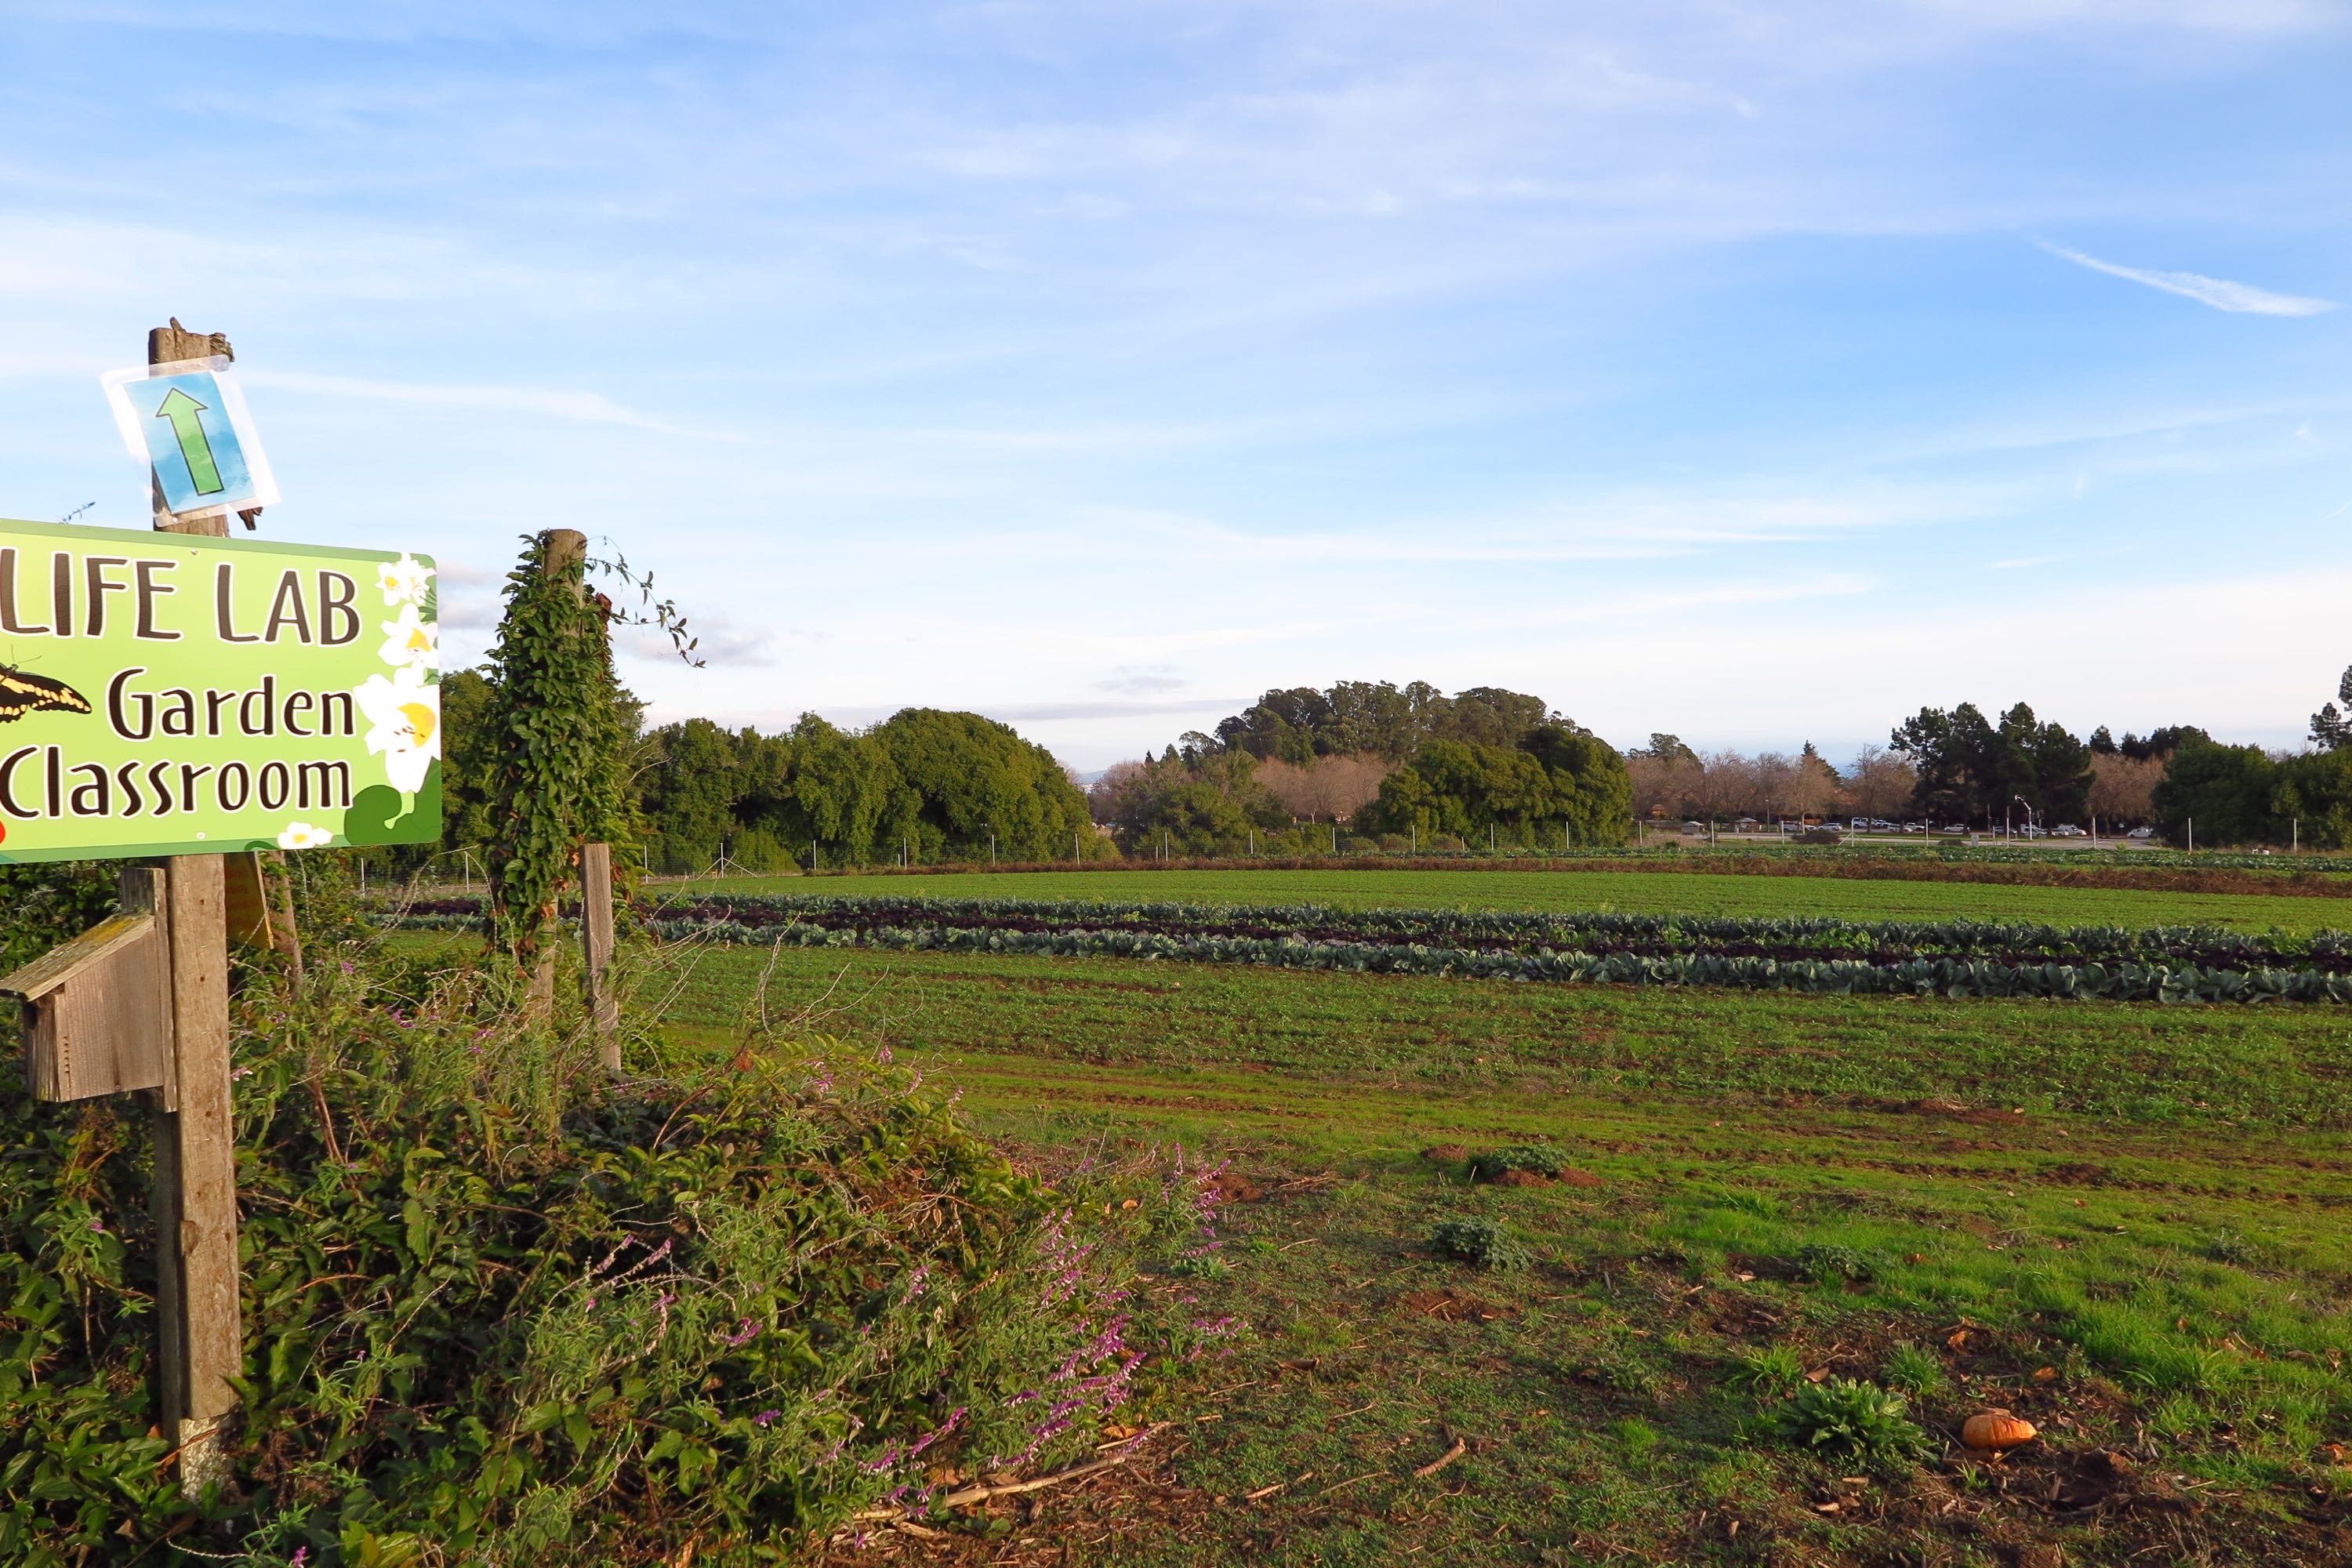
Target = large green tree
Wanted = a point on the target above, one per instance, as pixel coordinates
(1973, 769)
(2331, 727)
(2227, 793)
(690, 789)
(823, 787)
(1197, 801)
(2314, 791)
(1557, 776)
(970, 777)
(1378, 718)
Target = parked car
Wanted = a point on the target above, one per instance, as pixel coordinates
(2067, 830)
(1693, 827)
(2141, 833)
(1915, 827)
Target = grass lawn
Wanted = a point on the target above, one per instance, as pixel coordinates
(2125, 1222)
(1697, 893)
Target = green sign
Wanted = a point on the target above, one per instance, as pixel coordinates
(167, 694)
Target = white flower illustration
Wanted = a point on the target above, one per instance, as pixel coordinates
(411, 642)
(403, 581)
(302, 835)
(404, 718)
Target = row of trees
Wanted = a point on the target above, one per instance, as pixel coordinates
(927, 785)
(1402, 766)
(1398, 765)
(2244, 794)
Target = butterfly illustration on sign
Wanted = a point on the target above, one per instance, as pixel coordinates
(23, 692)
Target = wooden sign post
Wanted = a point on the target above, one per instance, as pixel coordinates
(194, 1204)
(204, 700)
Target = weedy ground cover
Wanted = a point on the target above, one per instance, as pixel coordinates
(501, 1309)
(1693, 893)
(2124, 1223)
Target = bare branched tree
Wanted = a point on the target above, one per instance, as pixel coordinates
(1328, 789)
(2123, 790)
(1880, 784)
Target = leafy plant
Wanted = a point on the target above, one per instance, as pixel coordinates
(1536, 1159)
(1843, 1417)
(1831, 1262)
(1478, 1240)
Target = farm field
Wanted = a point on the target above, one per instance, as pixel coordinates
(2121, 1221)
(1695, 893)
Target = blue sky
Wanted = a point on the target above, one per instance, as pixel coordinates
(1755, 372)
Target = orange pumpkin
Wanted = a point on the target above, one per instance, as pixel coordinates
(1995, 1430)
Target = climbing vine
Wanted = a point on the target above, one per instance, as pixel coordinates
(556, 739)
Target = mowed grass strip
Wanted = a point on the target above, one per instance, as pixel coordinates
(1696, 893)
(2252, 1066)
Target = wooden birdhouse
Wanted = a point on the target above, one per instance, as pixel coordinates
(98, 1008)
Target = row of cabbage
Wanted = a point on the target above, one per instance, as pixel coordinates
(1583, 930)
(1948, 959)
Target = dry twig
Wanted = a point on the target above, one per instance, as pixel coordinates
(964, 1497)
(1461, 1447)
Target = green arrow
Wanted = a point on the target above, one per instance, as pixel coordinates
(195, 450)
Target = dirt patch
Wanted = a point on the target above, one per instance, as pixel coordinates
(1231, 1187)
(1451, 1306)
(1739, 1315)
(1445, 1153)
(1518, 1179)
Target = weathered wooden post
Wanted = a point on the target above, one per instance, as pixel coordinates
(194, 1206)
(596, 950)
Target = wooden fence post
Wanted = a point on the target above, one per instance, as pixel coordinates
(195, 1197)
(596, 948)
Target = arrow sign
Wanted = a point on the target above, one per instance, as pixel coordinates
(195, 448)
(187, 421)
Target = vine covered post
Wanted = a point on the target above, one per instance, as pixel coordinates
(555, 743)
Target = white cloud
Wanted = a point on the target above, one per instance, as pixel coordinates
(2218, 292)
(552, 403)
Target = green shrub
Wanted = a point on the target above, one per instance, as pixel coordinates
(500, 1303)
(1841, 1417)
(1539, 1159)
(41, 906)
(1481, 1242)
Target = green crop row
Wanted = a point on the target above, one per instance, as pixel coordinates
(1937, 976)
(2204, 944)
